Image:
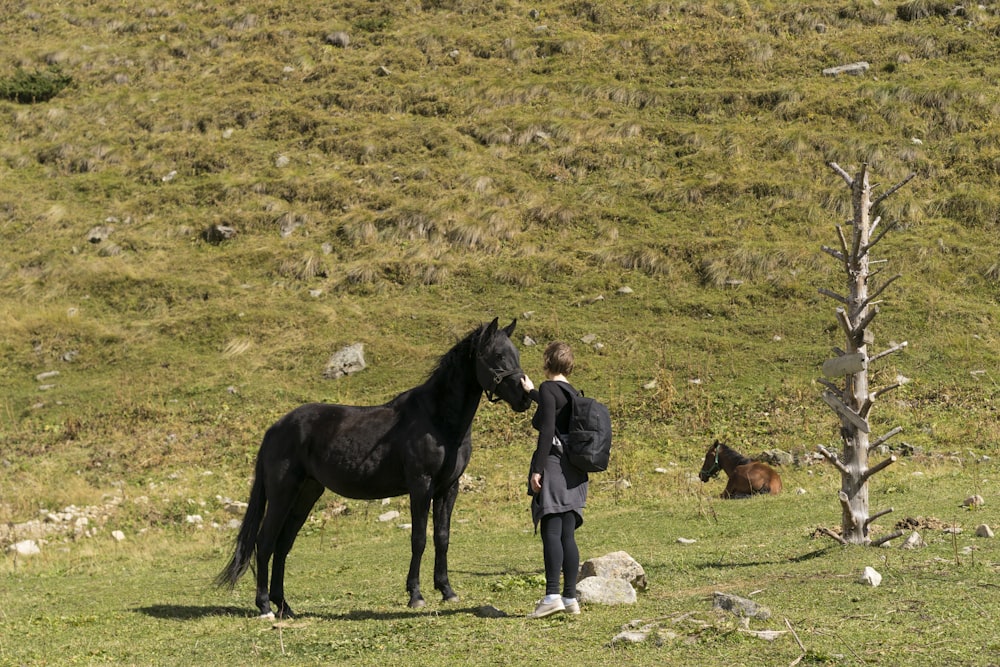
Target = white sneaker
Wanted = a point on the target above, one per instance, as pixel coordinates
(571, 607)
(544, 608)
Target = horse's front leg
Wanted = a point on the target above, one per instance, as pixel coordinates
(443, 506)
(420, 505)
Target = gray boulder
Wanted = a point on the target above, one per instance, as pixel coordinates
(602, 590)
(617, 565)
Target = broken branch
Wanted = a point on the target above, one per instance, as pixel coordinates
(892, 190)
(843, 174)
(832, 458)
(879, 441)
(883, 353)
(885, 538)
(883, 464)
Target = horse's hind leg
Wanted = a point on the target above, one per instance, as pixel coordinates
(281, 495)
(309, 493)
(443, 506)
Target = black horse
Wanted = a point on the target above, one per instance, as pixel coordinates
(419, 443)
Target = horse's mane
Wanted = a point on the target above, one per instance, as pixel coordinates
(452, 359)
(740, 459)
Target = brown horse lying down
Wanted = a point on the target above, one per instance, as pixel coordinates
(746, 477)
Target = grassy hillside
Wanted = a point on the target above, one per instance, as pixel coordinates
(397, 173)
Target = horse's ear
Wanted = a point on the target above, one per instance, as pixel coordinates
(509, 329)
(491, 329)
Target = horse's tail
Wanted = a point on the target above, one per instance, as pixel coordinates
(246, 539)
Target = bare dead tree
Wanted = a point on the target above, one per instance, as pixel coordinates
(852, 401)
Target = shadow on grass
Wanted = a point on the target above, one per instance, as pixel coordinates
(189, 612)
(764, 563)
(177, 612)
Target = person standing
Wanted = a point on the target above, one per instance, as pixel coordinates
(558, 489)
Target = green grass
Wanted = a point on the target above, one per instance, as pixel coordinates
(516, 160)
(148, 600)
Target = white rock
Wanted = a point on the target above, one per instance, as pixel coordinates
(984, 531)
(26, 548)
(685, 540)
(973, 501)
(913, 541)
(388, 516)
(871, 577)
(118, 535)
(193, 518)
(602, 590)
(617, 565)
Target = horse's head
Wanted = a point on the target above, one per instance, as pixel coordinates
(498, 367)
(711, 467)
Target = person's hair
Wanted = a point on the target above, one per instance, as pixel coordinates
(558, 358)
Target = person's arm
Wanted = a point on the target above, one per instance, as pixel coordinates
(545, 421)
(529, 388)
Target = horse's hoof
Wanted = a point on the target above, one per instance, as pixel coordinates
(269, 616)
(450, 598)
(416, 603)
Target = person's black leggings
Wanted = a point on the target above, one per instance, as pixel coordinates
(560, 553)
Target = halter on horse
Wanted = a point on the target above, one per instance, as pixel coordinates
(746, 477)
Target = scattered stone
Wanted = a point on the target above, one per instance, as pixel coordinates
(170, 176)
(216, 234)
(639, 631)
(348, 360)
(529, 341)
(871, 577)
(630, 637)
(99, 234)
(660, 471)
(625, 289)
(973, 501)
(984, 531)
(616, 565)
(853, 69)
(194, 519)
(767, 635)
(800, 491)
(281, 161)
(489, 611)
(742, 607)
(388, 516)
(382, 70)
(914, 541)
(776, 457)
(338, 39)
(650, 385)
(47, 375)
(26, 548)
(685, 540)
(117, 535)
(602, 590)
(589, 338)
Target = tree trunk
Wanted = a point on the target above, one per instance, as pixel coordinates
(853, 401)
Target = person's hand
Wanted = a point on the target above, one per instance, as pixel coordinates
(536, 481)
(526, 383)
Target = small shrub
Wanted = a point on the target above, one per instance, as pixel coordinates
(30, 87)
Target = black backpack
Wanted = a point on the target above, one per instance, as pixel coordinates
(588, 442)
